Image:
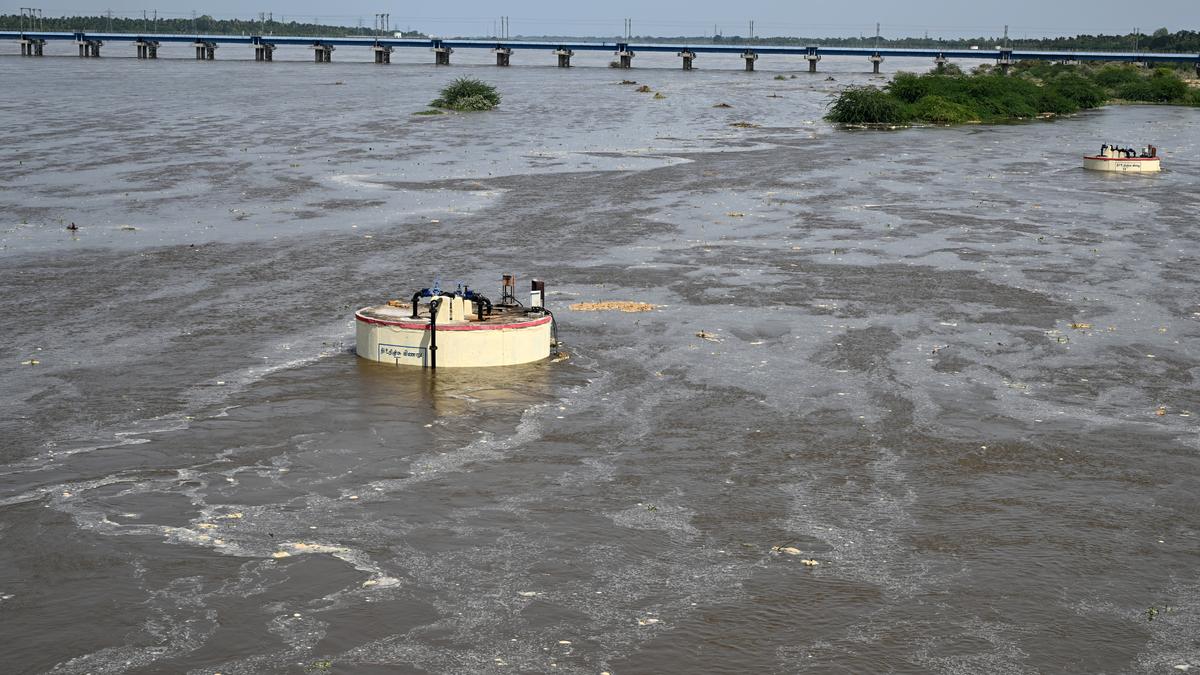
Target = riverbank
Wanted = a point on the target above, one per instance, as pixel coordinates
(985, 96)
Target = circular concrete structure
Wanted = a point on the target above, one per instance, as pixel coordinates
(460, 338)
(1111, 159)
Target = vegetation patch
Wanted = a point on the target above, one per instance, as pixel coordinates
(429, 112)
(1035, 89)
(467, 94)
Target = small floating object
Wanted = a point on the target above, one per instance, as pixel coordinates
(459, 329)
(1124, 160)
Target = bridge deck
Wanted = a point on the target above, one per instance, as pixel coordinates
(985, 54)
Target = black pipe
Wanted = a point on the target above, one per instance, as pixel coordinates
(417, 298)
(433, 312)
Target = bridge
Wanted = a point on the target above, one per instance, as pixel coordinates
(146, 45)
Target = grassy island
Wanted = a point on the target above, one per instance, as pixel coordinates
(1033, 90)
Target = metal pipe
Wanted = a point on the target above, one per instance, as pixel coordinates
(434, 305)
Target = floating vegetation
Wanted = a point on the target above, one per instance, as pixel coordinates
(628, 81)
(467, 94)
(659, 94)
(781, 77)
(644, 89)
(744, 125)
(722, 105)
(613, 305)
(430, 112)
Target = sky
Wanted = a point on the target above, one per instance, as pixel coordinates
(940, 18)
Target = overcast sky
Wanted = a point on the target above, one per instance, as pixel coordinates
(945, 18)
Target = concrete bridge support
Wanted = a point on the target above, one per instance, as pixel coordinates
(812, 59)
(624, 56)
(32, 46)
(939, 63)
(1005, 61)
(441, 56)
(688, 57)
(322, 53)
(875, 61)
(89, 48)
(749, 57)
(147, 49)
(383, 53)
(564, 57)
(264, 51)
(205, 51)
(503, 56)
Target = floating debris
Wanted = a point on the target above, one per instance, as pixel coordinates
(736, 214)
(647, 622)
(790, 550)
(31, 362)
(810, 563)
(705, 335)
(644, 89)
(281, 554)
(722, 105)
(1162, 410)
(1078, 325)
(128, 228)
(745, 125)
(628, 81)
(613, 305)
(658, 94)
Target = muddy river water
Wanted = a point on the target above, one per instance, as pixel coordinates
(948, 365)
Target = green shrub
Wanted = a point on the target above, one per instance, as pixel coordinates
(939, 110)
(1078, 89)
(467, 94)
(908, 87)
(866, 105)
(1115, 77)
(1163, 86)
(1193, 98)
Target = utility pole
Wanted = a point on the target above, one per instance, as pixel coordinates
(876, 37)
(751, 29)
(110, 20)
(1006, 42)
(1137, 34)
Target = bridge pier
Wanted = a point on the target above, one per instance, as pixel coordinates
(939, 63)
(441, 55)
(875, 61)
(749, 57)
(89, 48)
(32, 46)
(264, 51)
(205, 50)
(624, 56)
(812, 59)
(383, 53)
(322, 53)
(146, 49)
(688, 56)
(564, 57)
(503, 56)
(1005, 61)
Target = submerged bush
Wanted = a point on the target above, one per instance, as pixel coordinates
(467, 94)
(866, 105)
(990, 96)
(939, 110)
